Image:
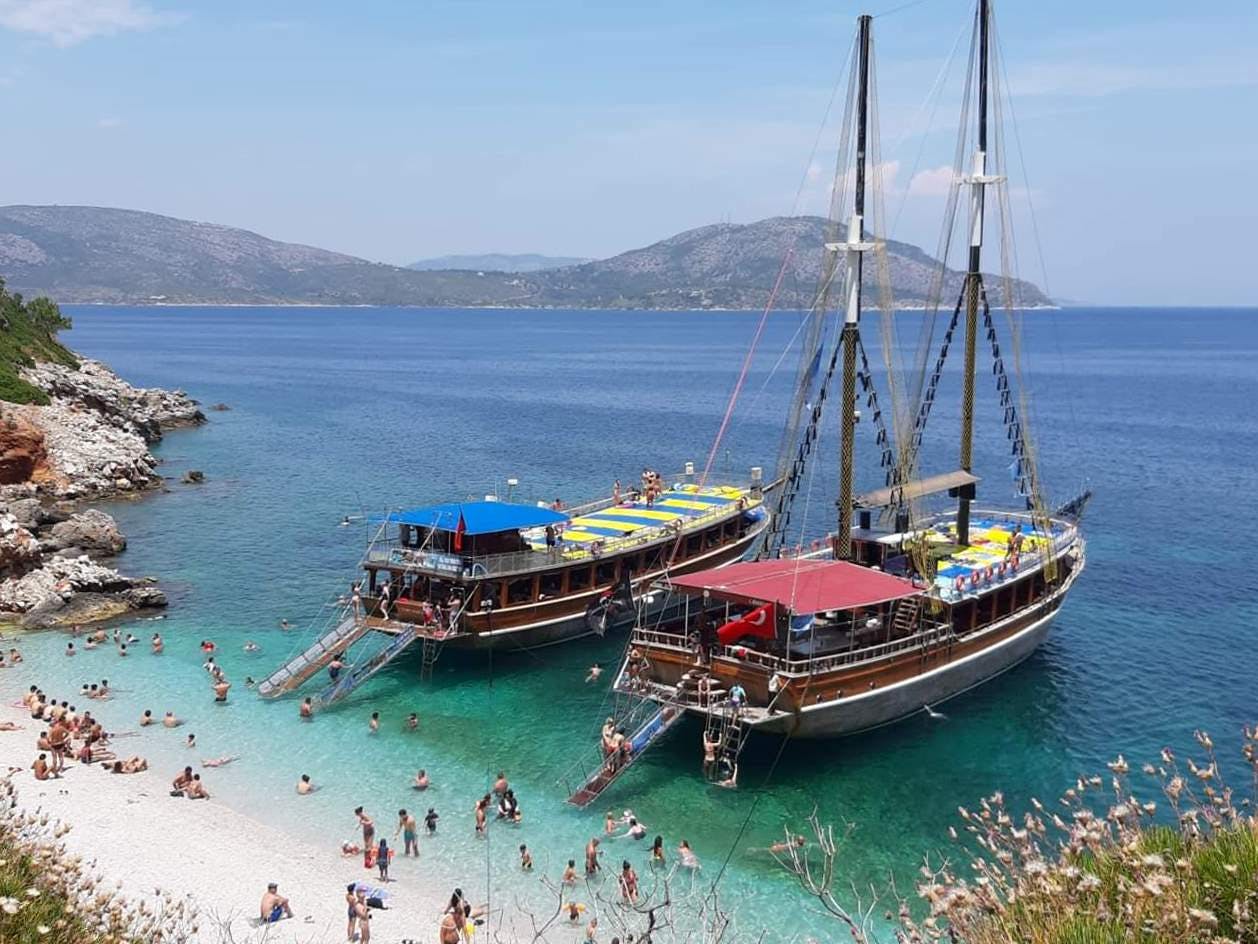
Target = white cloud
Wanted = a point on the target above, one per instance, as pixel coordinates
(67, 22)
(932, 182)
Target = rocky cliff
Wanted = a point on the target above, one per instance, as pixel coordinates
(81, 433)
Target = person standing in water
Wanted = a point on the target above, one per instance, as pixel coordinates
(410, 837)
(368, 827)
(382, 859)
(375, 722)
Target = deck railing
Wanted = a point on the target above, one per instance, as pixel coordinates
(932, 631)
(439, 563)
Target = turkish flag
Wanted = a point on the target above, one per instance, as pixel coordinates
(459, 531)
(759, 622)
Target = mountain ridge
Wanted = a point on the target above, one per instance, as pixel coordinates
(85, 255)
(497, 262)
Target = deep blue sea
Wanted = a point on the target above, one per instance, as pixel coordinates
(349, 411)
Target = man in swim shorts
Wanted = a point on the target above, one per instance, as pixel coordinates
(274, 905)
(410, 838)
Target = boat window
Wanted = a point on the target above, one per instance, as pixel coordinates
(605, 572)
(579, 578)
(693, 544)
(712, 538)
(551, 585)
(520, 591)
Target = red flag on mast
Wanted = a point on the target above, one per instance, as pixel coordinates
(459, 531)
(759, 622)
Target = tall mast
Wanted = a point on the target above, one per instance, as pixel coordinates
(855, 248)
(978, 180)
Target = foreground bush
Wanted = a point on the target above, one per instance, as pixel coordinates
(51, 897)
(1172, 860)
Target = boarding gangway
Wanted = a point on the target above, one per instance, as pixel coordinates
(301, 667)
(356, 675)
(594, 781)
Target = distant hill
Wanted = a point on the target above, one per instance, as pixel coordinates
(498, 262)
(92, 254)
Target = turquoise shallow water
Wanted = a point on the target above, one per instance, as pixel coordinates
(337, 411)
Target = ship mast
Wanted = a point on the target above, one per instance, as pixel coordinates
(978, 180)
(855, 249)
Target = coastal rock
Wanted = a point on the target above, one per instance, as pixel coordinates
(89, 455)
(45, 595)
(23, 456)
(19, 548)
(148, 411)
(220, 408)
(193, 477)
(91, 530)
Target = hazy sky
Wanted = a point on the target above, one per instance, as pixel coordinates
(399, 129)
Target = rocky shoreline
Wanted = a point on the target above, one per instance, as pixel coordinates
(90, 442)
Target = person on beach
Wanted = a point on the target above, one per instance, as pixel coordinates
(350, 849)
(351, 909)
(70, 648)
(219, 761)
(382, 859)
(196, 790)
(450, 930)
(41, 768)
(500, 785)
(375, 722)
(421, 780)
(410, 833)
(220, 690)
(430, 820)
(147, 718)
(191, 741)
(569, 873)
(58, 742)
(181, 781)
(122, 649)
(132, 765)
(481, 805)
(170, 721)
(157, 644)
(304, 786)
(14, 656)
(591, 857)
(274, 906)
(526, 858)
(368, 827)
(306, 711)
(591, 931)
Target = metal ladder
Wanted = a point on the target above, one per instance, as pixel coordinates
(594, 781)
(725, 727)
(301, 667)
(361, 673)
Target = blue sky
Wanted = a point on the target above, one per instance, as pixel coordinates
(399, 130)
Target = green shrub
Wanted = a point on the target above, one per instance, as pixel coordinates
(28, 333)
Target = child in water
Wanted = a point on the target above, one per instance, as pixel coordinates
(430, 820)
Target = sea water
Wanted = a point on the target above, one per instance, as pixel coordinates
(337, 412)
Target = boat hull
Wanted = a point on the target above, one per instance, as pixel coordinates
(886, 705)
(563, 620)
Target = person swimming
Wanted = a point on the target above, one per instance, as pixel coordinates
(421, 780)
(304, 786)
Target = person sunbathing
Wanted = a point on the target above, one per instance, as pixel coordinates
(196, 790)
(132, 765)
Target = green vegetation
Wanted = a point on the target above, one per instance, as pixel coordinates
(28, 332)
(1174, 861)
(52, 897)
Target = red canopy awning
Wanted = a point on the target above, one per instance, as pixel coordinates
(800, 586)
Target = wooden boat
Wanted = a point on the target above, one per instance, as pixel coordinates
(486, 574)
(905, 606)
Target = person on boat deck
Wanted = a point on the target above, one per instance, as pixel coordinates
(616, 492)
(737, 695)
(550, 538)
(556, 505)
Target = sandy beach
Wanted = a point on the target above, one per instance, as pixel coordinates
(137, 833)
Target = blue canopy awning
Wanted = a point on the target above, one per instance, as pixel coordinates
(479, 517)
